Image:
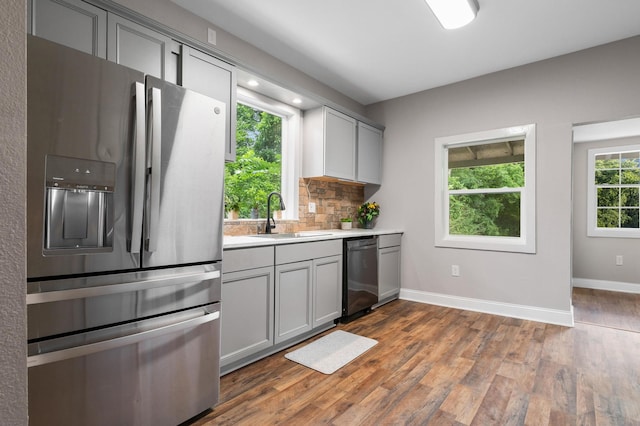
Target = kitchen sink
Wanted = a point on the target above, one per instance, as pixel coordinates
(293, 235)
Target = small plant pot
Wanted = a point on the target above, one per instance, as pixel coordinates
(369, 224)
(345, 225)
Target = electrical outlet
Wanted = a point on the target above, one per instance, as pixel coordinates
(455, 270)
(619, 260)
(312, 207)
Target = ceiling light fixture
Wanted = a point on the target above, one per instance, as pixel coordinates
(253, 83)
(454, 14)
(297, 101)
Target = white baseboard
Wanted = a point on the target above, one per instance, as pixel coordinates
(532, 313)
(607, 285)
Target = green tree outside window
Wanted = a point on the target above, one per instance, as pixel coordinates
(257, 169)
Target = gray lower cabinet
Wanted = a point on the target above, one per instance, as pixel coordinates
(327, 289)
(293, 300)
(143, 49)
(275, 296)
(308, 287)
(216, 79)
(247, 313)
(72, 23)
(389, 251)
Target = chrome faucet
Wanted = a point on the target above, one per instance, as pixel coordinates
(269, 226)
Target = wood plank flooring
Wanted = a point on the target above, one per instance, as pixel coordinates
(441, 366)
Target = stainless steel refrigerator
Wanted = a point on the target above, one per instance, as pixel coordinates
(125, 204)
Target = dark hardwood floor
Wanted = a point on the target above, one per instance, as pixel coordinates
(442, 366)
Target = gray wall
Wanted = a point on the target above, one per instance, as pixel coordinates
(13, 358)
(253, 59)
(595, 258)
(592, 85)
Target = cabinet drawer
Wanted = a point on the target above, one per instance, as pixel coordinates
(289, 253)
(389, 240)
(248, 258)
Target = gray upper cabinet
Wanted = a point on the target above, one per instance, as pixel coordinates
(138, 47)
(71, 23)
(338, 146)
(214, 78)
(369, 168)
(329, 145)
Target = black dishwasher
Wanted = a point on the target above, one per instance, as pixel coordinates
(360, 276)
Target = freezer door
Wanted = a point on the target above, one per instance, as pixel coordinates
(160, 371)
(70, 305)
(80, 131)
(185, 160)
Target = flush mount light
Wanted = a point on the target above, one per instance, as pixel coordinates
(253, 83)
(297, 101)
(454, 14)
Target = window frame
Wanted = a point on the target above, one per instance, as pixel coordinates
(526, 242)
(291, 141)
(592, 198)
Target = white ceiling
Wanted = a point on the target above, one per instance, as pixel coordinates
(373, 50)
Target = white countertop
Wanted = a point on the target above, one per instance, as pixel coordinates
(232, 242)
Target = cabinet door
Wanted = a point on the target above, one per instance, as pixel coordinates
(214, 78)
(388, 272)
(293, 300)
(246, 314)
(72, 23)
(339, 145)
(369, 154)
(327, 289)
(140, 48)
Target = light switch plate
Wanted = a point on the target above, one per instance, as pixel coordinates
(211, 36)
(312, 207)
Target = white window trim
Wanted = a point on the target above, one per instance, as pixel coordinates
(592, 197)
(291, 137)
(526, 243)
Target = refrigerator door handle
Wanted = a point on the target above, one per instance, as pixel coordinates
(137, 195)
(155, 99)
(105, 290)
(118, 342)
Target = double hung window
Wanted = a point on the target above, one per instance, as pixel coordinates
(485, 190)
(613, 192)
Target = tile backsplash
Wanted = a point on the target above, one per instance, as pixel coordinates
(334, 200)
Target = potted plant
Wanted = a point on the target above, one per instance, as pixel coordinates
(345, 223)
(232, 206)
(367, 212)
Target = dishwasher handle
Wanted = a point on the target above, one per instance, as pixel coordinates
(362, 243)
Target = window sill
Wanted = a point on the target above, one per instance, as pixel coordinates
(503, 244)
